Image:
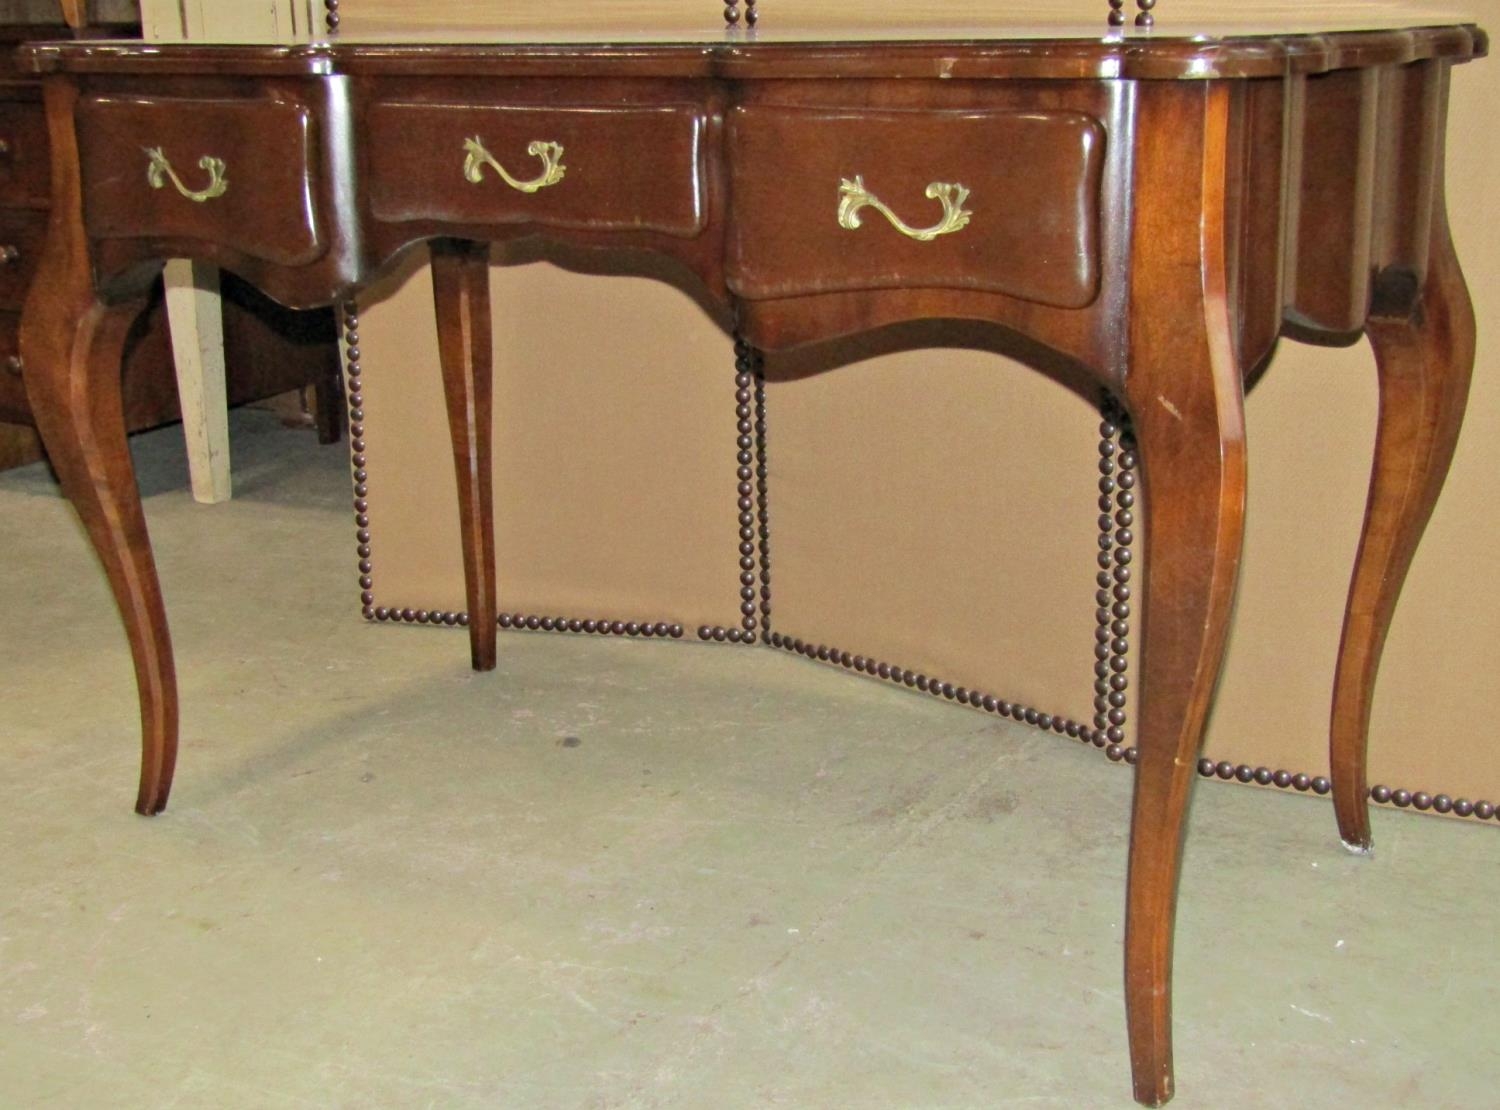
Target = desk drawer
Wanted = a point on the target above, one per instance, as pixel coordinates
(238, 173)
(25, 169)
(22, 235)
(830, 200)
(588, 168)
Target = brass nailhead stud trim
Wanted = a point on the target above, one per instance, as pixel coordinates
(1301, 782)
(1117, 504)
(592, 626)
(937, 687)
(354, 392)
(355, 399)
(744, 387)
(533, 622)
(1143, 19)
(1112, 612)
(762, 495)
(732, 13)
(750, 503)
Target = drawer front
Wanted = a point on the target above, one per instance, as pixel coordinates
(14, 407)
(25, 168)
(22, 235)
(587, 168)
(831, 200)
(238, 173)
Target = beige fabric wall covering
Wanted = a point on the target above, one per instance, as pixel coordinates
(614, 449)
(935, 509)
(835, 19)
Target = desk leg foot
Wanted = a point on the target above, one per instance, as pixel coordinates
(461, 294)
(1424, 357)
(72, 374)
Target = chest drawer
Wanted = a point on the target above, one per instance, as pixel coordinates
(25, 169)
(238, 173)
(22, 234)
(607, 168)
(831, 200)
(14, 407)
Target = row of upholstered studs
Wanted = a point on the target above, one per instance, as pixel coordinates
(719, 634)
(1143, 17)
(531, 622)
(1047, 722)
(1117, 482)
(752, 17)
(1119, 753)
(331, 16)
(757, 365)
(1243, 772)
(1384, 795)
(354, 393)
(1440, 803)
(763, 500)
(745, 359)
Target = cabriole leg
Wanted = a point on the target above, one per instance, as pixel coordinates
(1194, 470)
(461, 294)
(72, 374)
(1424, 354)
(71, 343)
(1184, 394)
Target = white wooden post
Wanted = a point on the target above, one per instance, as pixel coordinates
(194, 312)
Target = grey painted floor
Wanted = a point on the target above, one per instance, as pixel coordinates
(385, 881)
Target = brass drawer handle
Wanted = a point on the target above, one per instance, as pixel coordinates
(853, 196)
(159, 170)
(4, 148)
(550, 153)
(9, 254)
(13, 364)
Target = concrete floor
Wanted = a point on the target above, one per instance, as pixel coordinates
(633, 874)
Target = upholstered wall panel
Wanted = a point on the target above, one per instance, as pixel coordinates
(614, 450)
(935, 510)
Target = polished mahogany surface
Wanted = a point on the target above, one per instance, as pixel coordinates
(1155, 209)
(1073, 50)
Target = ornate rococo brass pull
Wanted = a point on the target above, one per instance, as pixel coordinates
(159, 170)
(550, 153)
(853, 196)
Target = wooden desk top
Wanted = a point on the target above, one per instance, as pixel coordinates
(922, 46)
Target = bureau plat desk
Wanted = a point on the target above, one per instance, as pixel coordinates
(1155, 209)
